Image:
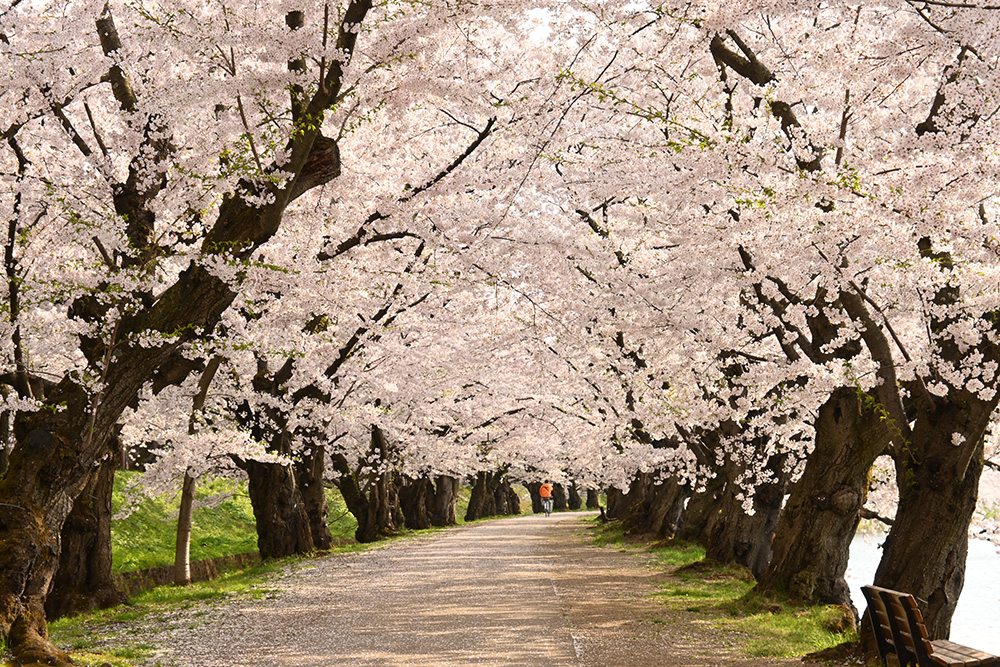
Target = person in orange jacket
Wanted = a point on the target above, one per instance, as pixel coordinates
(546, 493)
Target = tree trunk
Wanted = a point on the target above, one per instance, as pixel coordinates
(373, 502)
(47, 470)
(506, 500)
(593, 499)
(513, 500)
(185, 514)
(416, 496)
(309, 474)
(356, 500)
(389, 515)
(652, 507)
(500, 499)
(738, 537)
(84, 579)
(702, 511)
(574, 501)
(182, 552)
(492, 495)
(5, 435)
(925, 551)
(445, 500)
(617, 503)
(481, 500)
(559, 499)
(283, 525)
(812, 543)
(536, 499)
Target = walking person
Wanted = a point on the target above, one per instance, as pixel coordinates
(546, 494)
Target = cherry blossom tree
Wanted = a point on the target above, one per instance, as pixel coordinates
(160, 151)
(827, 149)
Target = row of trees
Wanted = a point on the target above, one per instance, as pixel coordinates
(720, 258)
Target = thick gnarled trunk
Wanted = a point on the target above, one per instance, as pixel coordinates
(654, 505)
(702, 511)
(573, 499)
(492, 495)
(445, 501)
(742, 538)
(925, 551)
(416, 497)
(283, 526)
(617, 503)
(84, 579)
(309, 475)
(47, 470)
(812, 543)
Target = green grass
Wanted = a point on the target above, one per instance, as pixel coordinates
(342, 523)
(721, 595)
(147, 536)
(224, 526)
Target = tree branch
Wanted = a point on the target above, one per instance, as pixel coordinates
(888, 387)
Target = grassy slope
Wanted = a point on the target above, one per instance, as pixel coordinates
(222, 526)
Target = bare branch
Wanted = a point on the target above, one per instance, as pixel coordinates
(483, 134)
(249, 134)
(104, 255)
(93, 127)
(843, 127)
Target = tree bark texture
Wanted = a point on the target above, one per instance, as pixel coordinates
(925, 551)
(47, 470)
(309, 474)
(573, 499)
(84, 581)
(492, 495)
(702, 511)
(444, 506)
(812, 543)
(185, 514)
(654, 508)
(416, 497)
(559, 500)
(738, 537)
(283, 525)
(593, 499)
(5, 433)
(373, 500)
(617, 503)
(481, 500)
(505, 500)
(536, 499)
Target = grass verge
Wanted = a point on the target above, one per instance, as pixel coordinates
(86, 635)
(721, 595)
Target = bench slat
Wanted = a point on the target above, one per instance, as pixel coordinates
(953, 652)
(899, 629)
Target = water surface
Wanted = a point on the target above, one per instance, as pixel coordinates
(977, 620)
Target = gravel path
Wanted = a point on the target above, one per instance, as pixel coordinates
(517, 592)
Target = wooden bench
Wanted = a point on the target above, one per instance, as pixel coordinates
(899, 629)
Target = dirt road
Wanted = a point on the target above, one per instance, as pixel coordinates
(517, 592)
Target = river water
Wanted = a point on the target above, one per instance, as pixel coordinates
(977, 620)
